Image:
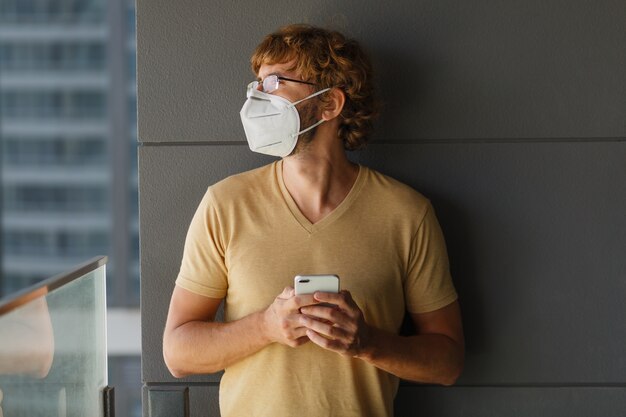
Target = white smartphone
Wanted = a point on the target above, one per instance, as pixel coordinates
(308, 284)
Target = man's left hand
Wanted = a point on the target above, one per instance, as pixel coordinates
(341, 329)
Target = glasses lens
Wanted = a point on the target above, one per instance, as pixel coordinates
(270, 83)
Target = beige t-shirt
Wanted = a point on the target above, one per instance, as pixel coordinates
(248, 240)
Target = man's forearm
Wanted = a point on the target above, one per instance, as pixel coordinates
(202, 347)
(427, 358)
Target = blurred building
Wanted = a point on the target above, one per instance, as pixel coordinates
(68, 141)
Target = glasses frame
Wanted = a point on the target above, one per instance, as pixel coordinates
(255, 84)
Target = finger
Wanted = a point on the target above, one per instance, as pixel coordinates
(324, 342)
(298, 332)
(291, 328)
(323, 312)
(302, 340)
(297, 342)
(324, 328)
(304, 300)
(288, 292)
(342, 299)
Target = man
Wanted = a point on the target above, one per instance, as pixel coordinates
(312, 212)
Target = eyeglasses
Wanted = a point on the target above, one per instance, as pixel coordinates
(271, 83)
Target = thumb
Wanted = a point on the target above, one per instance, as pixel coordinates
(288, 292)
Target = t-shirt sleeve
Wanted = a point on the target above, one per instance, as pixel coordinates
(428, 286)
(202, 269)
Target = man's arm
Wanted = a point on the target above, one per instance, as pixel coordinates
(193, 343)
(434, 355)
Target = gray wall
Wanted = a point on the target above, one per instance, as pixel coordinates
(508, 115)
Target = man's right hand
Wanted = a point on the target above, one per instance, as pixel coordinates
(282, 318)
(193, 343)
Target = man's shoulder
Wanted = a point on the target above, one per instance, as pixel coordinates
(242, 189)
(244, 182)
(394, 191)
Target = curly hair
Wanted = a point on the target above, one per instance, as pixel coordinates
(328, 59)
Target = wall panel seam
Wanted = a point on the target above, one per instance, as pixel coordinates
(409, 385)
(411, 142)
(525, 386)
(177, 383)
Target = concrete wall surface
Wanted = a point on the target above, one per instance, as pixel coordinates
(509, 116)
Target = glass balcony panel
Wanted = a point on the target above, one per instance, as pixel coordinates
(53, 359)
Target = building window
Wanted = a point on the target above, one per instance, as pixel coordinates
(52, 56)
(52, 11)
(65, 244)
(55, 151)
(62, 199)
(26, 104)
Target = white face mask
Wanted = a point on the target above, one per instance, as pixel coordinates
(272, 123)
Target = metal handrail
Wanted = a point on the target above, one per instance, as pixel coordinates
(19, 298)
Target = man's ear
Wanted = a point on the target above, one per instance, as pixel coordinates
(334, 105)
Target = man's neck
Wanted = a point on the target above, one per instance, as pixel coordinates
(319, 179)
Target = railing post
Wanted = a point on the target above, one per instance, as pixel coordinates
(108, 400)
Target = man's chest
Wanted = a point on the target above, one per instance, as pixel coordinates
(370, 262)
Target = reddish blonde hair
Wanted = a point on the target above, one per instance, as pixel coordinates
(328, 59)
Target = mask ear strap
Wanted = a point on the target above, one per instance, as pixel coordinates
(314, 124)
(310, 127)
(311, 96)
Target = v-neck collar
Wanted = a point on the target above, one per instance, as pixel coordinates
(330, 217)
